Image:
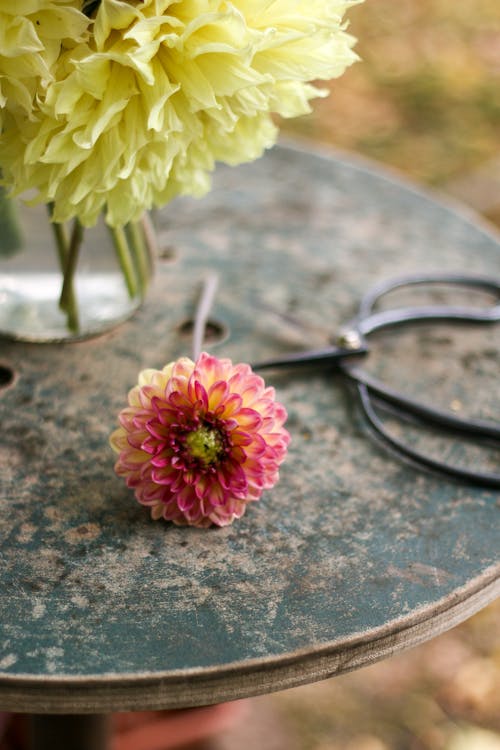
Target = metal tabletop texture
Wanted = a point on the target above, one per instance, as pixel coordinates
(351, 557)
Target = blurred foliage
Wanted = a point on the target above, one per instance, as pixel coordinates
(425, 96)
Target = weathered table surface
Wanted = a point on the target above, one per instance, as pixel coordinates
(351, 557)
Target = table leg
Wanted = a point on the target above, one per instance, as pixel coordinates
(65, 731)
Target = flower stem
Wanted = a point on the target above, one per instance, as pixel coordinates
(202, 312)
(11, 234)
(149, 234)
(125, 258)
(137, 245)
(61, 238)
(67, 301)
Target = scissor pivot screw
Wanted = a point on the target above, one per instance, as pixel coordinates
(349, 340)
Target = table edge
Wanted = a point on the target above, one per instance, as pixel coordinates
(204, 686)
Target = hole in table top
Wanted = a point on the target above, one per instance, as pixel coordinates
(6, 376)
(215, 331)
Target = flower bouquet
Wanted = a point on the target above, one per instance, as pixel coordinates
(109, 108)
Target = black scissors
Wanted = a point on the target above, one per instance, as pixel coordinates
(352, 344)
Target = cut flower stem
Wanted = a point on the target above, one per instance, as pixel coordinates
(137, 244)
(131, 244)
(67, 301)
(11, 238)
(122, 247)
(205, 303)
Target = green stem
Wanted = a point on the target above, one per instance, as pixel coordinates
(125, 258)
(149, 234)
(62, 244)
(11, 238)
(67, 300)
(60, 236)
(137, 244)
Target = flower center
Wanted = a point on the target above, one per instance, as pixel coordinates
(205, 444)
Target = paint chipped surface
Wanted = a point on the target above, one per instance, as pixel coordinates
(349, 541)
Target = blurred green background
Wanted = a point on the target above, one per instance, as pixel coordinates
(424, 99)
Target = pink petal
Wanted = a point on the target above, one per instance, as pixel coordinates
(163, 459)
(201, 486)
(164, 475)
(240, 438)
(249, 419)
(216, 394)
(157, 430)
(208, 369)
(119, 440)
(230, 406)
(217, 496)
(186, 498)
(232, 478)
(200, 395)
(182, 368)
(179, 400)
(257, 447)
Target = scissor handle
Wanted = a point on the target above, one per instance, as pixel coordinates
(368, 320)
(373, 392)
(328, 357)
(407, 453)
(480, 429)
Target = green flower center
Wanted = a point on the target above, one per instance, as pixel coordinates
(206, 445)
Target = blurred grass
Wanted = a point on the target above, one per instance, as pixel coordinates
(425, 96)
(425, 99)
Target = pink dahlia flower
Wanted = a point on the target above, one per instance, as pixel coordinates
(199, 440)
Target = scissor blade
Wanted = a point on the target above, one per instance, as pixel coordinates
(331, 356)
(427, 314)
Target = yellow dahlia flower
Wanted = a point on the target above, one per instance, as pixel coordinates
(32, 34)
(161, 90)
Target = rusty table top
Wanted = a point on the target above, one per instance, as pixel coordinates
(351, 557)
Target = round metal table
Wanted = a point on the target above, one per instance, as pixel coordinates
(350, 558)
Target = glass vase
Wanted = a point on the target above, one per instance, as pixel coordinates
(49, 293)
